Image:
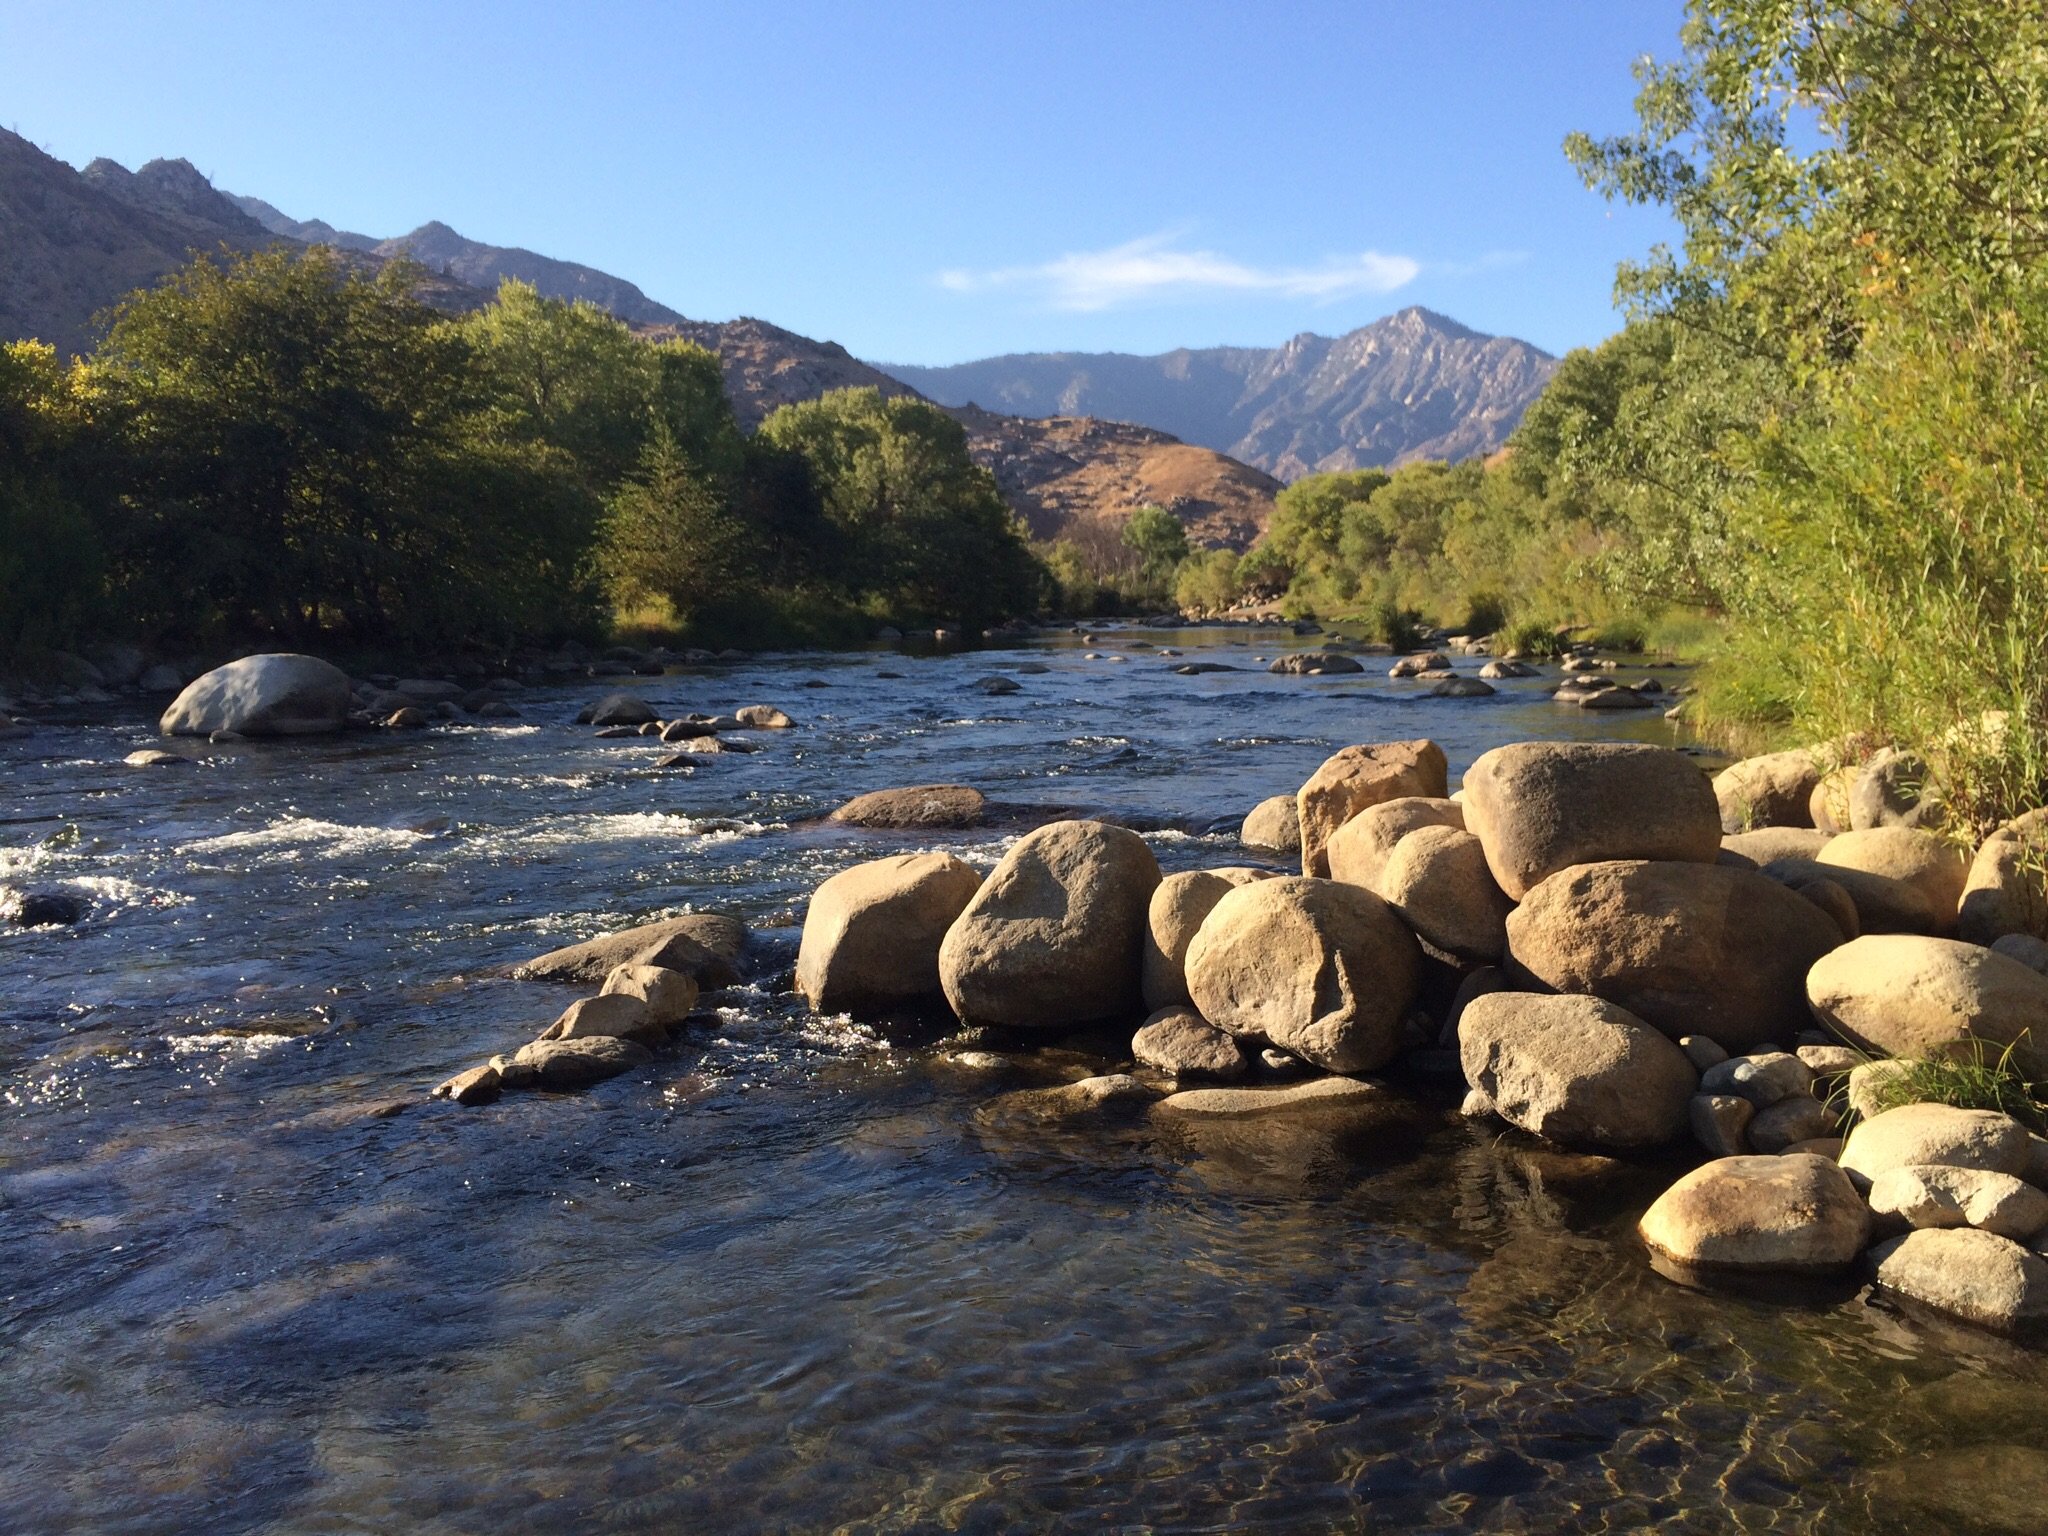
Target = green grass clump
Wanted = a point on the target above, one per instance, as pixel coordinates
(1528, 637)
(1975, 1079)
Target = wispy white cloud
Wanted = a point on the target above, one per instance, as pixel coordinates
(1155, 267)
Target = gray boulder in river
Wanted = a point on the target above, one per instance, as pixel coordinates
(273, 695)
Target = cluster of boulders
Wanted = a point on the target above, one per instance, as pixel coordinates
(620, 715)
(1609, 948)
(650, 980)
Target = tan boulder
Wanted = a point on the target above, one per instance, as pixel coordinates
(921, 805)
(1321, 969)
(1179, 904)
(1829, 806)
(1790, 1123)
(872, 933)
(1355, 778)
(479, 1085)
(611, 1015)
(1936, 1133)
(1936, 1195)
(1541, 806)
(1179, 1041)
(1903, 994)
(1274, 826)
(1576, 1070)
(1894, 788)
(1055, 934)
(1791, 1213)
(763, 717)
(1774, 790)
(1438, 880)
(669, 996)
(1763, 844)
(1357, 850)
(1977, 1276)
(1872, 1086)
(705, 945)
(1316, 1093)
(1930, 871)
(2006, 890)
(1877, 903)
(575, 1063)
(1695, 949)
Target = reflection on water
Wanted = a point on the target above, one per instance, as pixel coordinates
(806, 1274)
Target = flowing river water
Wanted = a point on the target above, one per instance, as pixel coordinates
(802, 1274)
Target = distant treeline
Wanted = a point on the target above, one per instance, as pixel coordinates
(276, 448)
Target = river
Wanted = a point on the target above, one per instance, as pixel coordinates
(799, 1274)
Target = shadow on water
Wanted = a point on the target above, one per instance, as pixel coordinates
(801, 1274)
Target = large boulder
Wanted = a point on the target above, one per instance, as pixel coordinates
(278, 695)
(2006, 891)
(1315, 663)
(668, 996)
(1977, 1276)
(1053, 938)
(923, 805)
(872, 933)
(1357, 850)
(1746, 1213)
(1764, 844)
(1827, 887)
(1175, 914)
(1541, 806)
(610, 1015)
(1437, 879)
(574, 1063)
(1321, 969)
(1909, 995)
(1936, 1195)
(1181, 1043)
(704, 945)
(1774, 790)
(1357, 777)
(1924, 872)
(1576, 1070)
(622, 709)
(1695, 949)
(1894, 788)
(1936, 1133)
(1274, 826)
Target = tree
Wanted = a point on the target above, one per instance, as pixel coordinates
(305, 454)
(52, 558)
(925, 532)
(1156, 536)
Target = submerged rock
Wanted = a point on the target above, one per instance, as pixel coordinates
(622, 709)
(1316, 1093)
(479, 1085)
(576, 1063)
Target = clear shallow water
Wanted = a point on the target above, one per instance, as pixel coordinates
(802, 1274)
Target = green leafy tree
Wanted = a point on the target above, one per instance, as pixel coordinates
(925, 532)
(1159, 541)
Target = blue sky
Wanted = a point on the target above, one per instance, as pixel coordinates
(922, 182)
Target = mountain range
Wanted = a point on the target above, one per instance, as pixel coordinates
(1068, 436)
(1415, 385)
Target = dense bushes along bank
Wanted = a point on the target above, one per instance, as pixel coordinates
(277, 447)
